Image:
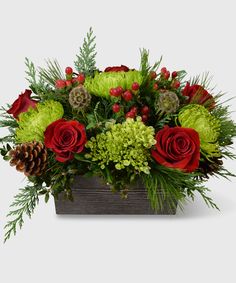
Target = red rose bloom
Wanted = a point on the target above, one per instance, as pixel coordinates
(65, 138)
(22, 104)
(121, 68)
(177, 148)
(197, 94)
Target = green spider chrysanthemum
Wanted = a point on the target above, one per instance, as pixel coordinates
(34, 122)
(199, 118)
(101, 84)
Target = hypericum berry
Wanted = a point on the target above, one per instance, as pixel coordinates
(130, 115)
(134, 110)
(119, 90)
(145, 110)
(116, 108)
(127, 95)
(153, 75)
(68, 70)
(144, 118)
(114, 92)
(81, 78)
(176, 84)
(163, 70)
(135, 86)
(68, 83)
(60, 84)
(174, 74)
(155, 86)
(167, 75)
(74, 80)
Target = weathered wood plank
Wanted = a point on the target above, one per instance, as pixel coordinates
(93, 197)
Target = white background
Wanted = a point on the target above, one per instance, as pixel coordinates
(198, 245)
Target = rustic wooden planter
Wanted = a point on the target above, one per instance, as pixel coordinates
(91, 196)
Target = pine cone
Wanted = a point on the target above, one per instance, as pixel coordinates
(209, 167)
(79, 98)
(30, 158)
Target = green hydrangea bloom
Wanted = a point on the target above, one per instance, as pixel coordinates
(199, 118)
(101, 84)
(34, 122)
(124, 145)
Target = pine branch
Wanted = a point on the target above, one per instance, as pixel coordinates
(24, 204)
(52, 73)
(85, 62)
(145, 67)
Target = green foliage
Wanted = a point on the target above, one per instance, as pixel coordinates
(52, 73)
(227, 125)
(145, 67)
(85, 62)
(101, 84)
(124, 145)
(169, 186)
(7, 121)
(24, 204)
(34, 122)
(198, 118)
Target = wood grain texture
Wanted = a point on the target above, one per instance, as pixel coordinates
(91, 196)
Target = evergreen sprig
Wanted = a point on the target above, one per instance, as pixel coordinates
(52, 73)
(24, 204)
(145, 67)
(86, 62)
(167, 185)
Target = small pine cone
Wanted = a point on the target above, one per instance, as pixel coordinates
(79, 98)
(209, 167)
(168, 102)
(29, 158)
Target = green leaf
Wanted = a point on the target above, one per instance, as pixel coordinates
(47, 195)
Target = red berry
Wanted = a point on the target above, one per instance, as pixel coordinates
(81, 78)
(144, 118)
(74, 80)
(174, 74)
(68, 83)
(155, 86)
(60, 84)
(69, 70)
(167, 75)
(135, 86)
(116, 108)
(145, 110)
(176, 84)
(119, 90)
(114, 92)
(163, 70)
(130, 115)
(127, 95)
(153, 75)
(134, 110)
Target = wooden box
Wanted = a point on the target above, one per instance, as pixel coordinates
(91, 196)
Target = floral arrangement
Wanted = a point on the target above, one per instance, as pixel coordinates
(121, 124)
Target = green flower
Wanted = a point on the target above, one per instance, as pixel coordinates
(124, 145)
(101, 84)
(34, 122)
(199, 118)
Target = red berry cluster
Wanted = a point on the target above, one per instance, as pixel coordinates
(70, 79)
(127, 96)
(165, 74)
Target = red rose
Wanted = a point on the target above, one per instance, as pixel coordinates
(65, 138)
(197, 94)
(177, 148)
(22, 104)
(121, 68)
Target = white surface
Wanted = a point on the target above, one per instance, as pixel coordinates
(197, 246)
